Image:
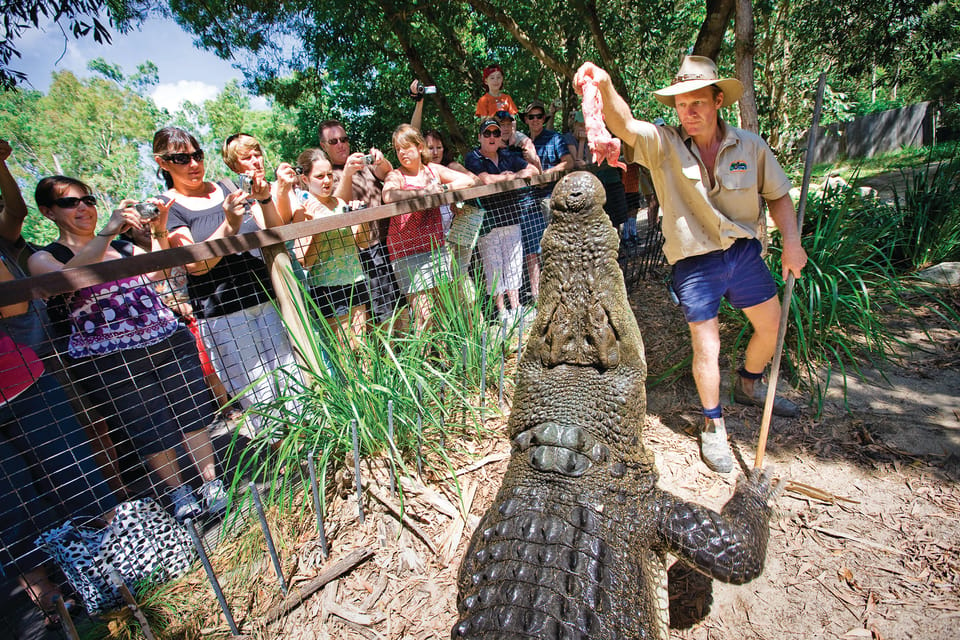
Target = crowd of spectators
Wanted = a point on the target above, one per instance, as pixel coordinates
(150, 363)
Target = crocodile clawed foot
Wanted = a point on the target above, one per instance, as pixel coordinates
(761, 484)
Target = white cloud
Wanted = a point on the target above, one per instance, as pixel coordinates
(172, 96)
(259, 103)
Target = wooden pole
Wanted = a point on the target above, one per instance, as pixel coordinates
(300, 593)
(788, 289)
(290, 299)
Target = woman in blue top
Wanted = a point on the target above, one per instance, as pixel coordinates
(501, 248)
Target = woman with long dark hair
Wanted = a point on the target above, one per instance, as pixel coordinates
(232, 295)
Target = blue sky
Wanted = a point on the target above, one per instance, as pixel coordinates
(186, 73)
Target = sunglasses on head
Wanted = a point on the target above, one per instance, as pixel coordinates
(72, 202)
(491, 132)
(535, 116)
(184, 158)
(333, 141)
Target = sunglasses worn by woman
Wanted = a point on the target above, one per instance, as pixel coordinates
(73, 203)
(184, 158)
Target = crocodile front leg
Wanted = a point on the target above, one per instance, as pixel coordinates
(729, 546)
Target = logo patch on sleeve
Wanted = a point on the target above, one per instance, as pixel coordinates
(738, 167)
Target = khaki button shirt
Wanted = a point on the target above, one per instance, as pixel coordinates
(698, 219)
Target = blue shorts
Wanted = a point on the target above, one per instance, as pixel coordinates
(739, 274)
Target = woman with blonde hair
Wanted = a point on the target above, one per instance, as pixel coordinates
(243, 154)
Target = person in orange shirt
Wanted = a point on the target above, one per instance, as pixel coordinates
(494, 99)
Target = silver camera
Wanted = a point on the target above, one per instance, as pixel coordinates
(244, 182)
(368, 159)
(422, 90)
(147, 211)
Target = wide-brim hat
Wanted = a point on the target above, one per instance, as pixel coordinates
(697, 72)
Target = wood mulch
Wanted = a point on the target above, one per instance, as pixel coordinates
(865, 542)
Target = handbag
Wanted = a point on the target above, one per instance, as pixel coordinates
(143, 543)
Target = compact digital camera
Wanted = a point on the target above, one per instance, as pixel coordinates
(368, 159)
(147, 210)
(422, 90)
(244, 182)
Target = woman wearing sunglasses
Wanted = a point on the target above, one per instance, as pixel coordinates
(501, 247)
(232, 296)
(125, 350)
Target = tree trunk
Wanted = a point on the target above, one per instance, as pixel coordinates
(710, 38)
(521, 36)
(745, 47)
(420, 70)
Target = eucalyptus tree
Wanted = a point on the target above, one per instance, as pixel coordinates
(92, 129)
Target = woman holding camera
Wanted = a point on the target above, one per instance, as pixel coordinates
(125, 350)
(244, 155)
(232, 295)
(332, 259)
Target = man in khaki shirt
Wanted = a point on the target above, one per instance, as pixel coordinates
(709, 178)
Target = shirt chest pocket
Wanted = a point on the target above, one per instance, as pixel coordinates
(691, 170)
(737, 174)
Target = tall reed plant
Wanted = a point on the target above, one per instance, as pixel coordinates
(850, 287)
(928, 211)
(433, 395)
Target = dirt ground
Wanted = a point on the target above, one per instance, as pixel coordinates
(865, 543)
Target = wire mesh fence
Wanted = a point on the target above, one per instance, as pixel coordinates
(171, 380)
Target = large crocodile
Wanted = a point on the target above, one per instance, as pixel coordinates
(575, 543)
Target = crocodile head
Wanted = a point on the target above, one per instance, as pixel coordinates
(580, 399)
(583, 318)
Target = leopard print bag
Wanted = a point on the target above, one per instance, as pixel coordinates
(143, 543)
